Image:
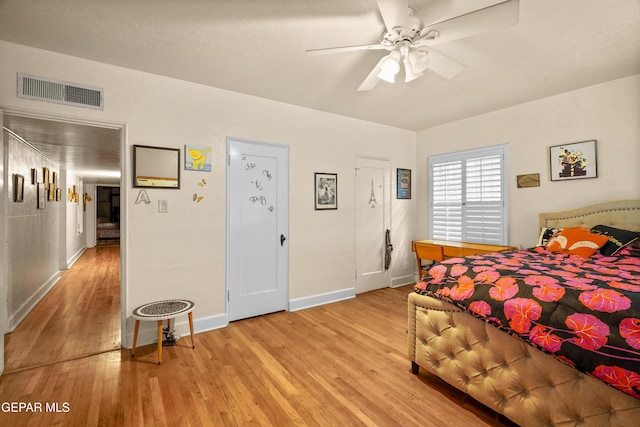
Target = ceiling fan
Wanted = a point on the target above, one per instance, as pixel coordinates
(409, 41)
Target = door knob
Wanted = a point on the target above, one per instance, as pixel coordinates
(282, 239)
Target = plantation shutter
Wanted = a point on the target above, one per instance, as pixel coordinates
(468, 196)
(446, 209)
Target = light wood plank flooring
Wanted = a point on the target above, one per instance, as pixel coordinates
(341, 364)
(78, 317)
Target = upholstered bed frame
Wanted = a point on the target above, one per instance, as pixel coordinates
(504, 373)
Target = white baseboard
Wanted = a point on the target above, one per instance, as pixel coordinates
(148, 332)
(396, 282)
(32, 301)
(321, 299)
(75, 257)
(210, 323)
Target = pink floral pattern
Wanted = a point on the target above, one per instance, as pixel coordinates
(584, 311)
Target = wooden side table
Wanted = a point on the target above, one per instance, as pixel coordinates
(159, 311)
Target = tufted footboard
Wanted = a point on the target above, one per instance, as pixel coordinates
(507, 375)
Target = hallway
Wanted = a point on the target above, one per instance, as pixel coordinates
(80, 316)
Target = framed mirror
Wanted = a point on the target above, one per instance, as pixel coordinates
(156, 167)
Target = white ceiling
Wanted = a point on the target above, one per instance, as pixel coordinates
(258, 47)
(89, 151)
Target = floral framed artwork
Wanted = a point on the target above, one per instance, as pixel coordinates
(576, 160)
(326, 191)
(403, 183)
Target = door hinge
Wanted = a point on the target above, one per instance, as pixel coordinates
(229, 160)
(228, 296)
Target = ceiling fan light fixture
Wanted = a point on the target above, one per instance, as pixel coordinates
(409, 74)
(389, 67)
(419, 61)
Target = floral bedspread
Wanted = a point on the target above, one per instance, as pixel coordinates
(584, 311)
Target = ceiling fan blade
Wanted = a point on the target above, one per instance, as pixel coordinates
(501, 15)
(372, 79)
(443, 65)
(330, 50)
(395, 13)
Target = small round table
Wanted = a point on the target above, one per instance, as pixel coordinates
(159, 311)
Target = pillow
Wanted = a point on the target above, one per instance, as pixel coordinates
(618, 238)
(545, 234)
(577, 241)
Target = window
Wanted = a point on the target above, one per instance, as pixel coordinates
(468, 196)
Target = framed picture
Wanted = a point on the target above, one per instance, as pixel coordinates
(528, 180)
(197, 158)
(34, 176)
(18, 188)
(42, 196)
(403, 183)
(45, 177)
(156, 167)
(576, 160)
(326, 191)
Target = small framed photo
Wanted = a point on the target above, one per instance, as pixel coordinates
(45, 177)
(326, 191)
(528, 180)
(403, 183)
(42, 196)
(34, 176)
(576, 160)
(18, 188)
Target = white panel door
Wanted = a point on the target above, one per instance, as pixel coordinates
(257, 228)
(373, 218)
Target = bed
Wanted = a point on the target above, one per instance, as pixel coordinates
(106, 230)
(525, 383)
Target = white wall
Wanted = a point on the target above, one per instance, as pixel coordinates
(90, 215)
(608, 113)
(32, 234)
(4, 315)
(76, 242)
(182, 253)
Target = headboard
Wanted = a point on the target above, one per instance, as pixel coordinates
(624, 214)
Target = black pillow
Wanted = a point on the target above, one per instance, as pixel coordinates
(546, 233)
(618, 238)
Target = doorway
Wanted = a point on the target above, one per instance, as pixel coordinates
(107, 216)
(373, 219)
(257, 228)
(74, 145)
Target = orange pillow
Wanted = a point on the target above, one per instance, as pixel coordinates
(577, 241)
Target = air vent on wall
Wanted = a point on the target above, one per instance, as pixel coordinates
(48, 90)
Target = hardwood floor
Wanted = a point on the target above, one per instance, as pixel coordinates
(78, 317)
(341, 364)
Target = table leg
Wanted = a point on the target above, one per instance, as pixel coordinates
(135, 338)
(159, 342)
(191, 328)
